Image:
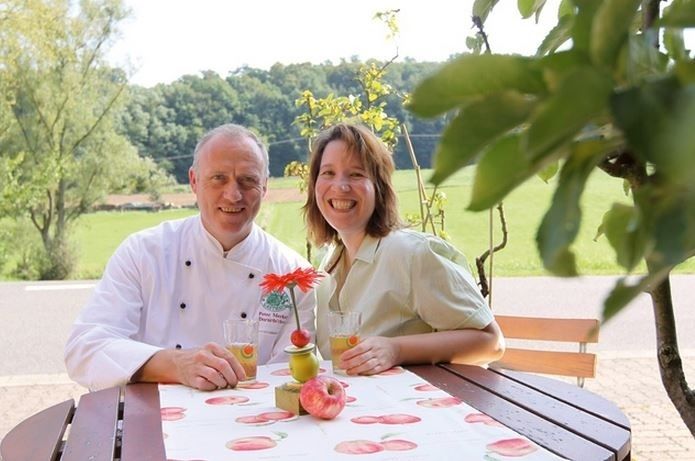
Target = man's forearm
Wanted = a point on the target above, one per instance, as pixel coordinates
(160, 368)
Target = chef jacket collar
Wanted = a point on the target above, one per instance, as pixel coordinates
(237, 252)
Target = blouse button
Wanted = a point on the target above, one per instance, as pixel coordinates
(188, 263)
(251, 275)
(243, 315)
(182, 305)
(178, 346)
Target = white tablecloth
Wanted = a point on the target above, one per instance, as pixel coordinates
(392, 416)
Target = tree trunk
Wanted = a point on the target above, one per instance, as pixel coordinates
(670, 363)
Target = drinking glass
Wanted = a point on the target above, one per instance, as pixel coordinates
(343, 333)
(241, 339)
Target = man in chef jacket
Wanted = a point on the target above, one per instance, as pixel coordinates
(157, 313)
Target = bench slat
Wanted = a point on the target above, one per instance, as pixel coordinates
(527, 423)
(40, 436)
(93, 432)
(142, 424)
(549, 362)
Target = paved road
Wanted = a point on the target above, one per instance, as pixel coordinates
(36, 316)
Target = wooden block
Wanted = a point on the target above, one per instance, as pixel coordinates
(287, 398)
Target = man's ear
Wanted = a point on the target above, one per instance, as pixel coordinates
(192, 180)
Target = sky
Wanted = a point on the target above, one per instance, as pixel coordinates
(165, 39)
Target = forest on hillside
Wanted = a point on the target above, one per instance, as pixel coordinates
(164, 122)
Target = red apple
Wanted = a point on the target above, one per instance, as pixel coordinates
(300, 338)
(323, 397)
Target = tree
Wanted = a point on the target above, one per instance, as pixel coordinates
(613, 99)
(60, 150)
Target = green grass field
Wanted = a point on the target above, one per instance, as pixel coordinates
(98, 234)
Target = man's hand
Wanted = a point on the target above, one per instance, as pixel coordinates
(371, 356)
(207, 368)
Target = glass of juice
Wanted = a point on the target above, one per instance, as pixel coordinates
(241, 339)
(343, 333)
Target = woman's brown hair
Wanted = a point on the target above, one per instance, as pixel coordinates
(377, 160)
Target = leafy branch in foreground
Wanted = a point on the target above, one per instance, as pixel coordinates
(613, 99)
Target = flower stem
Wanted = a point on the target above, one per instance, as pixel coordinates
(294, 306)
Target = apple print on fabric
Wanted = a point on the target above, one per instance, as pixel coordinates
(362, 447)
(516, 447)
(391, 372)
(169, 459)
(426, 388)
(482, 418)
(252, 385)
(443, 402)
(387, 419)
(266, 418)
(256, 442)
(172, 413)
(227, 400)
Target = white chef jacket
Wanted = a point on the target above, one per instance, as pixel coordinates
(171, 286)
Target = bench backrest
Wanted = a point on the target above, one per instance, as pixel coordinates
(580, 364)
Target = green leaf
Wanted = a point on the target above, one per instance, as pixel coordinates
(674, 44)
(558, 35)
(674, 225)
(580, 97)
(528, 7)
(476, 126)
(685, 71)
(657, 119)
(561, 222)
(566, 7)
(644, 60)
(583, 21)
(557, 66)
(609, 30)
(482, 8)
(681, 13)
(623, 293)
(471, 76)
(626, 232)
(547, 173)
(502, 167)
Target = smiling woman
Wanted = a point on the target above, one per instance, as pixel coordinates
(414, 292)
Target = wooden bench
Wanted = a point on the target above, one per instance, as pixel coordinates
(579, 364)
(107, 425)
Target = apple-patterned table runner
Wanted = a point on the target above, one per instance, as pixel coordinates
(393, 415)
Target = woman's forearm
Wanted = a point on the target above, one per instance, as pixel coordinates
(468, 346)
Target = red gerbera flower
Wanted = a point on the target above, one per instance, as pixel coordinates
(304, 278)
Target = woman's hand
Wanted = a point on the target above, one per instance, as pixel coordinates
(371, 356)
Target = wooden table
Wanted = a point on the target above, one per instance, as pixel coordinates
(116, 424)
